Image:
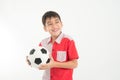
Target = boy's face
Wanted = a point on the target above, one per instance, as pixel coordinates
(54, 26)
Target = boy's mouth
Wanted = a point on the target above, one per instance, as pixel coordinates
(55, 30)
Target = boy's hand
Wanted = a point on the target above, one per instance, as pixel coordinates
(48, 65)
(28, 62)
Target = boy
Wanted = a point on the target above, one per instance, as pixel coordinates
(63, 58)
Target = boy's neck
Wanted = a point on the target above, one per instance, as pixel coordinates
(53, 39)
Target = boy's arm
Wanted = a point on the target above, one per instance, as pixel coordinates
(54, 64)
(69, 64)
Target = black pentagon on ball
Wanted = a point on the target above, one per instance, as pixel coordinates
(44, 51)
(38, 61)
(32, 51)
(48, 60)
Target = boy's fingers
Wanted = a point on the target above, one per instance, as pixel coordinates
(28, 60)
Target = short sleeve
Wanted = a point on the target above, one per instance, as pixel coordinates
(72, 51)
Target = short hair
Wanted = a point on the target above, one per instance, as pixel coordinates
(49, 14)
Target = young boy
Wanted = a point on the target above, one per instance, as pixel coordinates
(63, 58)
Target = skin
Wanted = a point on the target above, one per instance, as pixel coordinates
(54, 26)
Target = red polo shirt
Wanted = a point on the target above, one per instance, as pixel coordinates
(62, 50)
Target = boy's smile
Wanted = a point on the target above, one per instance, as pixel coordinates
(53, 26)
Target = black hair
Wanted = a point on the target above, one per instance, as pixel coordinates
(49, 14)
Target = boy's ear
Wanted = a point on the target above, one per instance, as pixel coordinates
(45, 28)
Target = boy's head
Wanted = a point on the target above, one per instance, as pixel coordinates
(50, 14)
(52, 23)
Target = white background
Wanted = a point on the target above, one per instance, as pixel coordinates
(94, 25)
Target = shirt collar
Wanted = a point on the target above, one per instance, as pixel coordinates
(58, 40)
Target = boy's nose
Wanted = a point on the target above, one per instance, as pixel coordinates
(54, 25)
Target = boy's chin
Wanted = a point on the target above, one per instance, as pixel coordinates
(56, 34)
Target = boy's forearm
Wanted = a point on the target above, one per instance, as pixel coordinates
(70, 64)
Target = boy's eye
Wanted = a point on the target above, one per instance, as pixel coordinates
(57, 22)
(49, 24)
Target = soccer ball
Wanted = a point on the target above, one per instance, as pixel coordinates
(38, 56)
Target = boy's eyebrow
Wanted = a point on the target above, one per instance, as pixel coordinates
(57, 19)
(48, 22)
